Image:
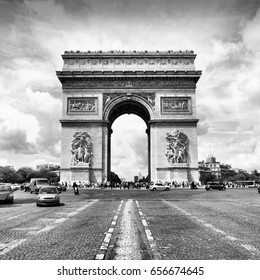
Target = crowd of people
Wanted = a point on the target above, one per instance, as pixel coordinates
(141, 185)
(124, 185)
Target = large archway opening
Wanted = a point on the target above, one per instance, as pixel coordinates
(129, 140)
(129, 148)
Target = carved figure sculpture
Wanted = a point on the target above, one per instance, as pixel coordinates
(177, 148)
(81, 149)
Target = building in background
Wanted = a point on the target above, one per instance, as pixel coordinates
(48, 166)
(218, 169)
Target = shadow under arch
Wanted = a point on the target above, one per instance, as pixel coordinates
(127, 105)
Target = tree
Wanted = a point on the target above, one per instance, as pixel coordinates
(8, 174)
(206, 177)
(114, 178)
(24, 174)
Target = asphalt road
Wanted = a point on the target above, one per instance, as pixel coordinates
(181, 224)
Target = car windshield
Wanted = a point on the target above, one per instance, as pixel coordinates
(48, 190)
(5, 188)
(42, 182)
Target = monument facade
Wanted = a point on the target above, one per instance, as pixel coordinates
(98, 87)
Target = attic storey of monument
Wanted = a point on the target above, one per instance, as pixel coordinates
(159, 87)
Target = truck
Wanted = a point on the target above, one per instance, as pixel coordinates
(36, 183)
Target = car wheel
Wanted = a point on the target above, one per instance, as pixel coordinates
(31, 192)
(223, 189)
(167, 189)
(210, 189)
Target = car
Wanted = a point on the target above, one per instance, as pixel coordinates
(15, 187)
(27, 187)
(159, 186)
(215, 186)
(6, 193)
(48, 195)
(37, 183)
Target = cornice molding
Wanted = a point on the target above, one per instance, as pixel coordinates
(129, 82)
(122, 53)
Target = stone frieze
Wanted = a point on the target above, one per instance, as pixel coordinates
(82, 105)
(129, 83)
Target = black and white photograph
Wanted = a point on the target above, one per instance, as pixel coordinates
(130, 131)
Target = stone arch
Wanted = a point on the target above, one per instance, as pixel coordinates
(128, 104)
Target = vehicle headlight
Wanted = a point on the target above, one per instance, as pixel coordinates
(57, 197)
(10, 195)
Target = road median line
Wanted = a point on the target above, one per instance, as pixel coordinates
(104, 246)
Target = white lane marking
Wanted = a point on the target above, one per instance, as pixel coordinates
(61, 220)
(5, 248)
(149, 236)
(16, 216)
(104, 246)
(249, 248)
(31, 228)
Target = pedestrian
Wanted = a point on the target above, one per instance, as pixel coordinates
(75, 188)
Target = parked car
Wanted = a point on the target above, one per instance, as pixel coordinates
(37, 183)
(159, 186)
(215, 186)
(48, 195)
(6, 193)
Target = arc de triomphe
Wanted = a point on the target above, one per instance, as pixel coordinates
(98, 87)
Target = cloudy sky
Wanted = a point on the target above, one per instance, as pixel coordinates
(225, 35)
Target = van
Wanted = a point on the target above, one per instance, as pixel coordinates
(36, 183)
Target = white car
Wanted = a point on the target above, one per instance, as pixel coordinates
(48, 195)
(159, 186)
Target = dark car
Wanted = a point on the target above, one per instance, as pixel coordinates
(215, 186)
(6, 193)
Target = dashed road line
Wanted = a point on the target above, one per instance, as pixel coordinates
(225, 235)
(104, 246)
(149, 236)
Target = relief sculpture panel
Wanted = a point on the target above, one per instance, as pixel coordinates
(177, 148)
(82, 105)
(175, 105)
(81, 149)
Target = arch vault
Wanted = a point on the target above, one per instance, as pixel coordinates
(159, 87)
